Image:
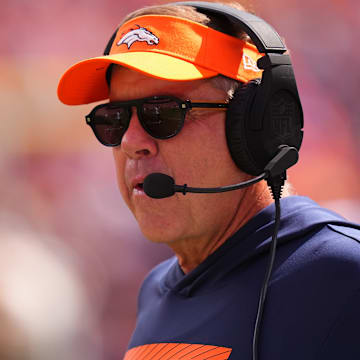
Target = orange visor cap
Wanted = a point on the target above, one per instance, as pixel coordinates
(164, 47)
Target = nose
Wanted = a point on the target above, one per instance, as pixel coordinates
(136, 142)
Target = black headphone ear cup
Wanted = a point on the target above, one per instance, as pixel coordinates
(252, 146)
(236, 132)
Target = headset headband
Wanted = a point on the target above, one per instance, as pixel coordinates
(265, 38)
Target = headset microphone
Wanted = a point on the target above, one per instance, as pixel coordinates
(159, 186)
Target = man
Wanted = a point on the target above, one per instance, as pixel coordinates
(173, 78)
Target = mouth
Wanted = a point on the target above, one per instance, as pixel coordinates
(139, 187)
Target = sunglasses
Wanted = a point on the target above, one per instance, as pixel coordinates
(161, 116)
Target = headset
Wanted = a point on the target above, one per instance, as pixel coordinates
(263, 114)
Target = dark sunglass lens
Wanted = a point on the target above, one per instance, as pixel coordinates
(162, 118)
(110, 124)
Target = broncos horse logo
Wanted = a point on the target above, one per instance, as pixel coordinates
(140, 34)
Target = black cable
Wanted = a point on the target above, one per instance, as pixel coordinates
(276, 188)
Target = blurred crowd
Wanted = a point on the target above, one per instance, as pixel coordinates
(71, 256)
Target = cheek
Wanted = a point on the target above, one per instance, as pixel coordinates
(119, 160)
(205, 153)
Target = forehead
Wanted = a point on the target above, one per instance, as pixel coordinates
(127, 84)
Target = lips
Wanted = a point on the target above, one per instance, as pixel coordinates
(137, 183)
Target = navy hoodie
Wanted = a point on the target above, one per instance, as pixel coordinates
(312, 309)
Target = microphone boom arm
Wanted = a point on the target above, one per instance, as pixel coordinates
(184, 188)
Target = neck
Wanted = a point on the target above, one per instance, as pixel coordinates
(192, 252)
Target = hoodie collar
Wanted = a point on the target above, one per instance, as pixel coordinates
(299, 216)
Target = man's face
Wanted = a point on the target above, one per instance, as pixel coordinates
(197, 156)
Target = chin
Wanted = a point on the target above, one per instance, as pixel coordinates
(159, 221)
(160, 233)
(156, 237)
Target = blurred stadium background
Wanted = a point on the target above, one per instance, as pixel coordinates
(58, 189)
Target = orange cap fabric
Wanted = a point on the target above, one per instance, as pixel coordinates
(165, 47)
